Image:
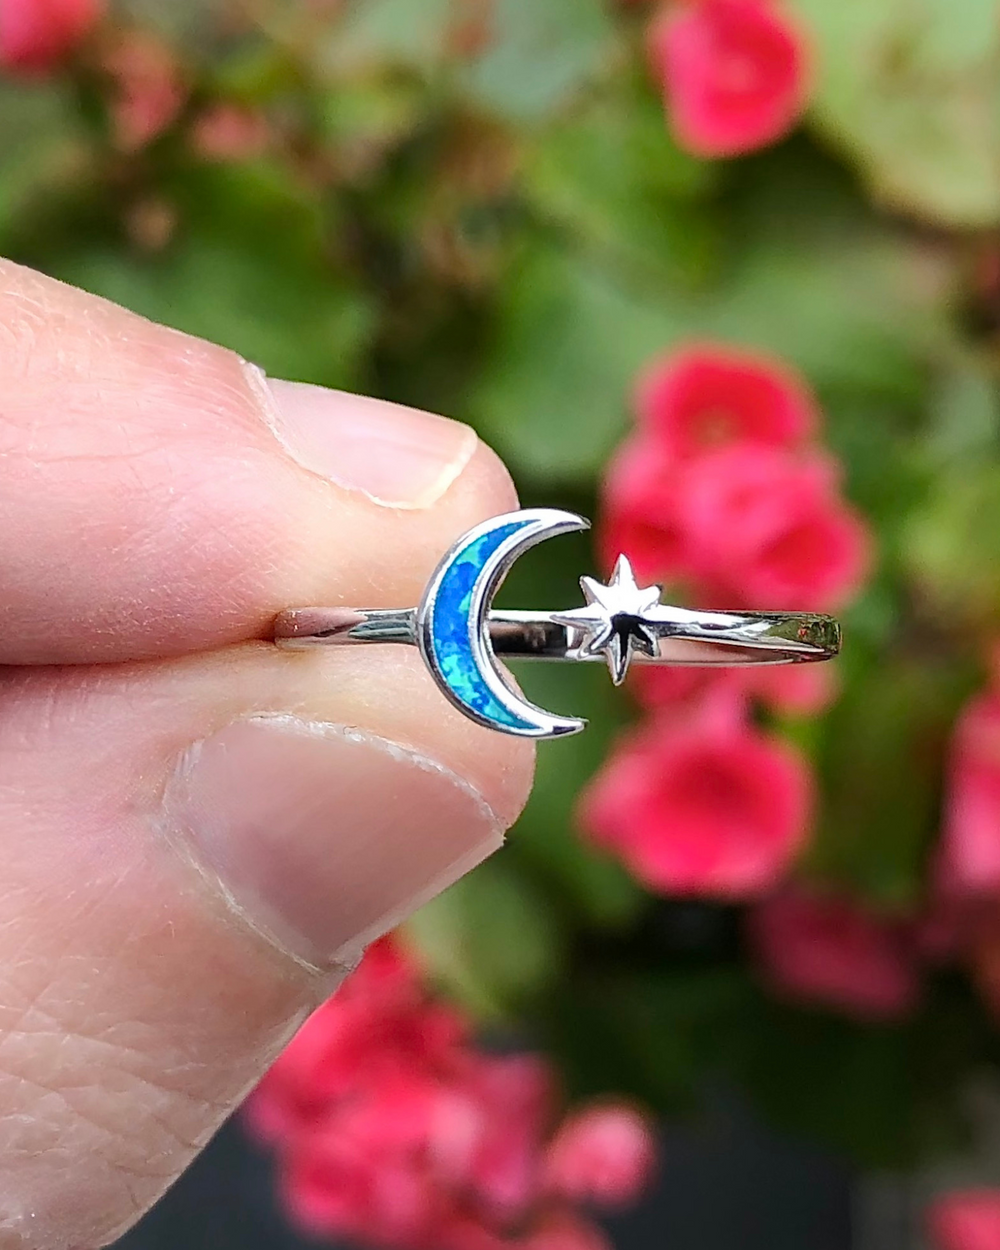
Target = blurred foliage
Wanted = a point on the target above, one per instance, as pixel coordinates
(475, 206)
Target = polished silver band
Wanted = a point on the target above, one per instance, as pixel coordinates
(684, 636)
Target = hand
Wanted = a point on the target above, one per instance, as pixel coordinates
(200, 832)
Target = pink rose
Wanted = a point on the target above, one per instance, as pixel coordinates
(36, 35)
(230, 132)
(965, 1220)
(792, 689)
(819, 949)
(971, 845)
(604, 1154)
(393, 1129)
(767, 529)
(708, 806)
(563, 1230)
(735, 73)
(147, 88)
(641, 518)
(709, 395)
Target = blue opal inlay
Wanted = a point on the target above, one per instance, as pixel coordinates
(450, 628)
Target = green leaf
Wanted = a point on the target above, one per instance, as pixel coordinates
(540, 52)
(886, 1096)
(374, 32)
(848, 303)
(952, 545)
(965, 411)
(40, 144)
(362, 119)
(490, 940)
(612, 175)
(245, 270)
(911, 91)
(188, 20)
(823, 283)
(569, 341)
(880, 761)
(653, 1036)
(950, 542)
(547, 836)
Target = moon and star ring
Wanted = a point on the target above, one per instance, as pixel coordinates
(460, 635)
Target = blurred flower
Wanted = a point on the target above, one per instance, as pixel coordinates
(401, 1161)
(560, 1230)
(965, 1220)
(640, 512)
(971, 843)
(794, 689)
(604, 1154)
(147, 92)
(229, 132)
(828, 950)
(948, 924)
(765, 528)
(472, 28)
(702, 805)
(379, 1022)
(35, 35)
(718, 490)
(735, 73)
(746, 525)
(708, 395)
(394, 1129)
(151, 223)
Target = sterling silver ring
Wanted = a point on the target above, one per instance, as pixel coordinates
(460, 635)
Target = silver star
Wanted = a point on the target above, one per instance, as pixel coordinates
(618, 619)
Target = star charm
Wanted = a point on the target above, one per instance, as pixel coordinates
(618, 620)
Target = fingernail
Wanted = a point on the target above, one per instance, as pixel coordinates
(399, 456)
(321, 836)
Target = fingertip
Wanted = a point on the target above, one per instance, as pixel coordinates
(487, 481)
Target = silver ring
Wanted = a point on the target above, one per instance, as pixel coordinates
(460, 635)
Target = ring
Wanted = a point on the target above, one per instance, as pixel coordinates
(460, 635)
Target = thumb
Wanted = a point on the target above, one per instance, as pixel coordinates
(197, 846)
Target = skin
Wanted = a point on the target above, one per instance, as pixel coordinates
(160, 940)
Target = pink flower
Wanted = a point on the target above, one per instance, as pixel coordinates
(641, 518)
(604, 1154)
(707, 806)
(229, 132)
(394, 1130)
(562, 1230)
(146, 89)
(793, 689)
(966, 1220)
(379, 1023)
(971, 846)
(35, 35)
(767, 529)
(717, 490)
(710, 395)
(735, 73)
(680, 685)
(825, 950)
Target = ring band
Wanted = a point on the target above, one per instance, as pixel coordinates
(697, 638)
(460, 635)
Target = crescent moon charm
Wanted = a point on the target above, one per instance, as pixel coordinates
(460, 635)
(453, 622)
